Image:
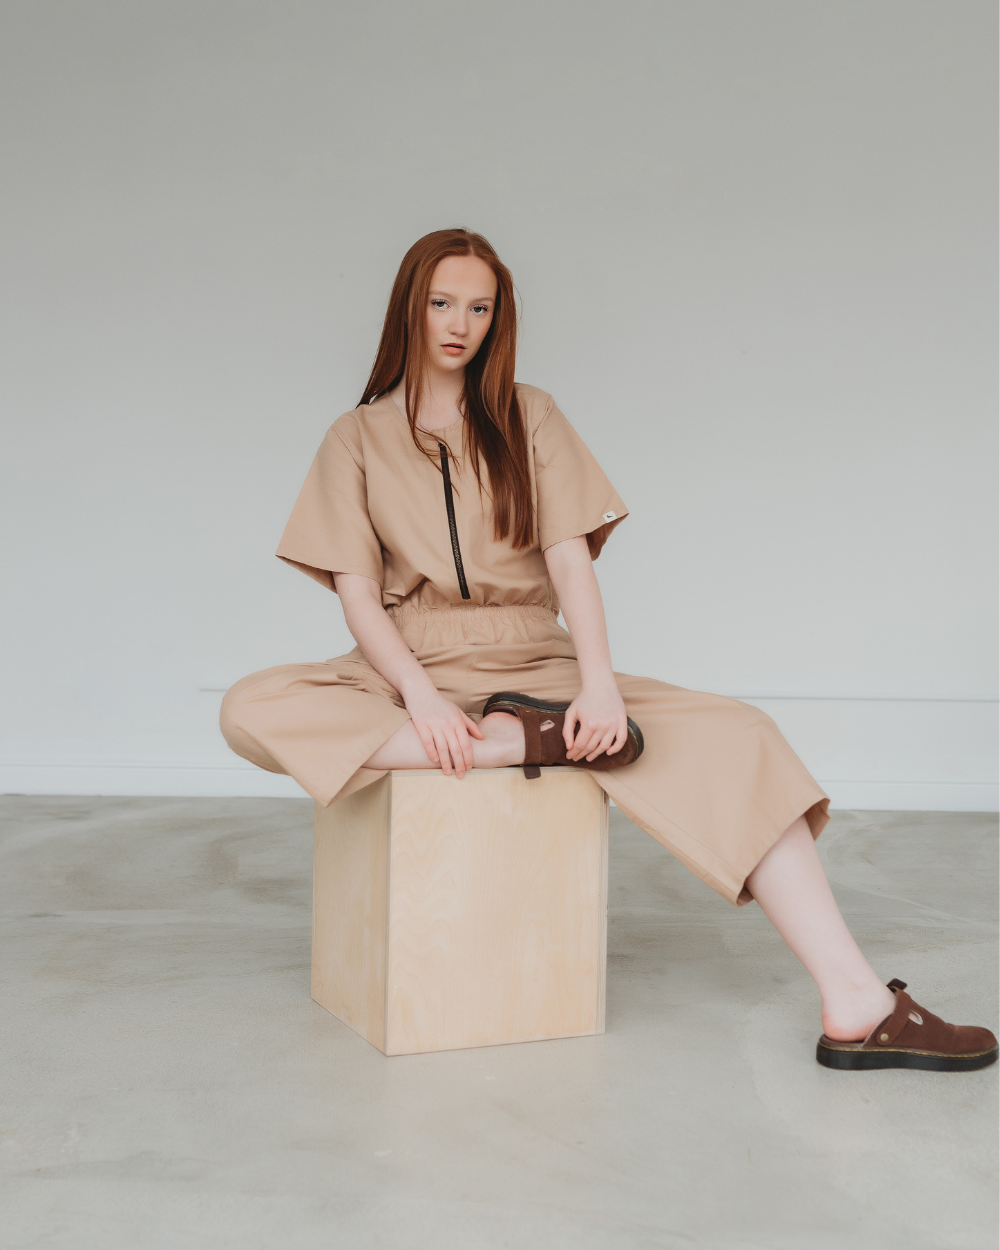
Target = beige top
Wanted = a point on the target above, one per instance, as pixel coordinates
(372, 504)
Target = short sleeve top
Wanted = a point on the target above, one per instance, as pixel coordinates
(373, 504)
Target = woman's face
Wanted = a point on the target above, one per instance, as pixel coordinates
(459, 311)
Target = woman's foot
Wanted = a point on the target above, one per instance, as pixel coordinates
(910, 1036)
(542, 725)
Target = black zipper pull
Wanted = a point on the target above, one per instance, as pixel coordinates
(449, 503)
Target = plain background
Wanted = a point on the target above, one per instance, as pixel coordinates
(755, 243)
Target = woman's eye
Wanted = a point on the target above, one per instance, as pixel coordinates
(439, 303)
(480, 308)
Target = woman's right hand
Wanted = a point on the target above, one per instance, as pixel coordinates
(444, 729)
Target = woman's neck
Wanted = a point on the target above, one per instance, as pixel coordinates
(439, 400)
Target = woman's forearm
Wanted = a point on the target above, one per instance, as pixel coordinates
(571, 571)
(377, 636)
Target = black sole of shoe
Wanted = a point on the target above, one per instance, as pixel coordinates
(866, 1060)
(495, 704)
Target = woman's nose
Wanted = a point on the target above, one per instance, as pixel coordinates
(458, 323)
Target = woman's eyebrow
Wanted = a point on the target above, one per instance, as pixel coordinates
(479, 299)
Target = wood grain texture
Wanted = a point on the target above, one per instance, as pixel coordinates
(349, 909)
(450, 914)
(497, 909)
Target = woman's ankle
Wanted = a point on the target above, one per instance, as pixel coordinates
(503, 745)
(850, 1014)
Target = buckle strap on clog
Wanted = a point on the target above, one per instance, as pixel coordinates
(885, 1034)
(530, 720)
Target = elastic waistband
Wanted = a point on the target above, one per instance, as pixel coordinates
(403, 614)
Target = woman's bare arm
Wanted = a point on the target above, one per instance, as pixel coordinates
(598, 708)
(444, 729)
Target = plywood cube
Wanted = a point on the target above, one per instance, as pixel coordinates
(453, 913)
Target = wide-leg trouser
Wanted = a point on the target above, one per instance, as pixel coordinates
(717, 784)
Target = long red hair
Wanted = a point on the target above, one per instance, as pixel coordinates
(494, 425)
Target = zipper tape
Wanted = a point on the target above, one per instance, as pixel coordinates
(449, 504)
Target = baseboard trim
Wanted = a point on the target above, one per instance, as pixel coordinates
(189, 780)
(129, 779)
(913, 796)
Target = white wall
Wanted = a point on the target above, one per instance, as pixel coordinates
(755, 243)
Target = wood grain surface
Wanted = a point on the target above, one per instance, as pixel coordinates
(349, 909)
(493, 909)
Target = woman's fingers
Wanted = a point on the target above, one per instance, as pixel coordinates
(427, 738)
(586, 741)
(612, 743)
(449, 745)
(458, 751)
(465, 746)
(582, 734)
(444, 755)
(446, 733)
(621, 737)
(569, 727)
(594, 724)
(602, 746)
(593, 747)
(599, 740)
(453, 748)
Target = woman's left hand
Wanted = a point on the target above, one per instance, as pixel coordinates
(595, 722)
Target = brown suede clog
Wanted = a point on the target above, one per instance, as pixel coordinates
(543, 730)
(912, 1038)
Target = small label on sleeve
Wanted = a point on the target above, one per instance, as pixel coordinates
(610, 516)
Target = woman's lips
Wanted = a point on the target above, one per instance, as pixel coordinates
(453, 349)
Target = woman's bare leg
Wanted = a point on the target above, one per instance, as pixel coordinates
(791, 887)
(502, 747)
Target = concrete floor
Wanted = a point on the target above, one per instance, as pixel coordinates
(167, 1082)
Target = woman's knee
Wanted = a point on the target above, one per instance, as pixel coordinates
(234, 714)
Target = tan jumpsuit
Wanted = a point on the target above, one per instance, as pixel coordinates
(717, 784)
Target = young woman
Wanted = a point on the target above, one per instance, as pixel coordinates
(455, 512)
